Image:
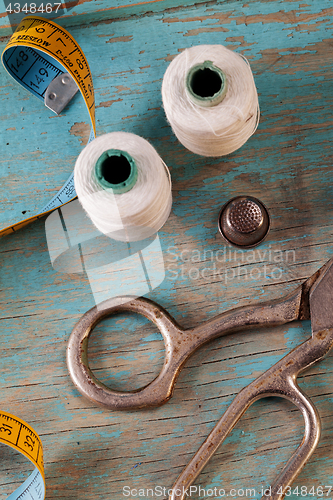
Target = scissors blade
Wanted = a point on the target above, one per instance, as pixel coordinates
(321, 299)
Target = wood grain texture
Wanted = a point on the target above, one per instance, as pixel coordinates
(93, 453)
(79, 12)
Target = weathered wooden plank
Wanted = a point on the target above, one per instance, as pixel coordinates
(90, 452)
(81, 12)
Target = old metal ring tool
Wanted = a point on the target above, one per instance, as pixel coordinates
(311, 300)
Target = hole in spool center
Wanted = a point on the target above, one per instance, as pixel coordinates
(116, 169)
(205, 82)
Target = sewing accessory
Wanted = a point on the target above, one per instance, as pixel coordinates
(17, 434)
(210, 99)
(311, 300)
(46, 60)
(315, 303)
(123, 186)
(244, 221)
(180, 344)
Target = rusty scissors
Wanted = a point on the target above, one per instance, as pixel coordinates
(311, 300)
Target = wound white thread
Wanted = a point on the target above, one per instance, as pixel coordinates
(217, 115)
(144, 207)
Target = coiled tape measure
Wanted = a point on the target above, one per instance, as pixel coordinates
(43, 58)
(18, 435)
(40, 56)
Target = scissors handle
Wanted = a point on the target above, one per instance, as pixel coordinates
(180, 344)
(279, 380)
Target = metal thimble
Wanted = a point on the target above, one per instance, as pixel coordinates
(244, 221)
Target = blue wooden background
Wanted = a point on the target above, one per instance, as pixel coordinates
(94, 453)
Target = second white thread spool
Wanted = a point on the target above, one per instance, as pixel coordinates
(124, 186)
(210, 99)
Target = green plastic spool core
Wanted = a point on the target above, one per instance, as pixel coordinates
(206, 84)
(116, 169)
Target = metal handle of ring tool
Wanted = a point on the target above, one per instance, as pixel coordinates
(279, 380)
(310, 300)
(180, 344)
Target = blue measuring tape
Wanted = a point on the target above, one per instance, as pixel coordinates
(67, 192)
(33, 488)
(30, 69)
(36, 55)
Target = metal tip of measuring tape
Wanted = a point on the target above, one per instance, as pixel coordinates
(60, 91)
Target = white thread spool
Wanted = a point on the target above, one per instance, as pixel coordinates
(210, 99)
(124, 186)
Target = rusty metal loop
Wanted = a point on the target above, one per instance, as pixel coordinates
(155, 393)
(180, 344)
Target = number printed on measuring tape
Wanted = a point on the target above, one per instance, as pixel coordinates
(35, 55)
(34, 73)
(17, 434)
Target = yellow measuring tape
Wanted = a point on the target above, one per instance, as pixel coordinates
(19, 435)
(35, 55)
